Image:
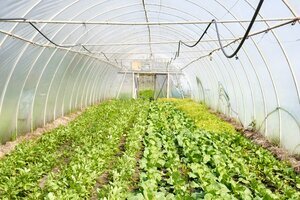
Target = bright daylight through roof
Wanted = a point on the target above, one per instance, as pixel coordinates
(149, 99)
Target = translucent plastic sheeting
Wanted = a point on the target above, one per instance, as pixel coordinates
(39, 82)
(126, 86)
(161, 86)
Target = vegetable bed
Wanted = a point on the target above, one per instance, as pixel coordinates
(135, 149)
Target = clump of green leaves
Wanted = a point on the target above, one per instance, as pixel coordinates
(211, 165)
(146, 94)
(188, 154)
(68, 159)
(125, 167)
(199, 112)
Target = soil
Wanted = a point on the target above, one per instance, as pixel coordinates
(136, 174)
(122, 146)
(104, 178)
(63, 160)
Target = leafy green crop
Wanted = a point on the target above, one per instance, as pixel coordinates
(202, 117)
(161, 175)
(146, 94)
(187, 153)
(182, 161)
(125, 166)
(68, 159)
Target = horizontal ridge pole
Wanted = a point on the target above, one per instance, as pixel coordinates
(23, 20)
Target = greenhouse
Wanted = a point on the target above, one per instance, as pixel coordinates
(150, 99)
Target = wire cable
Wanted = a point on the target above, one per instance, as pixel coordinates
(191, 46)
(246, 33)
(180, 41)
(86, 49)
(44, 35)
(105, 55)
(219, 38)
(237, 39)
(13, 19)
(40, 32)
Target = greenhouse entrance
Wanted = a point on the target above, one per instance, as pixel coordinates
(156, 84)
(153, 80)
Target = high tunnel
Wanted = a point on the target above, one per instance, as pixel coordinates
(57, 57)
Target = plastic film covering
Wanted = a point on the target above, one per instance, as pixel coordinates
(259, 88)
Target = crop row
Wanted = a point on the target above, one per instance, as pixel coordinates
(66, 162)
(236, 159)
(161, 168)
(145, 150)
(124, 172)
(182, 161)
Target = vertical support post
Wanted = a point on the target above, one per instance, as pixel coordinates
(168, 85)
(121, 85)
(168, 81)
(133, 86)
(154, 87)
(181, 89)
(137, 85)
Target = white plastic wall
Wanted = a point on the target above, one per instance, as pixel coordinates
(39, 81)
